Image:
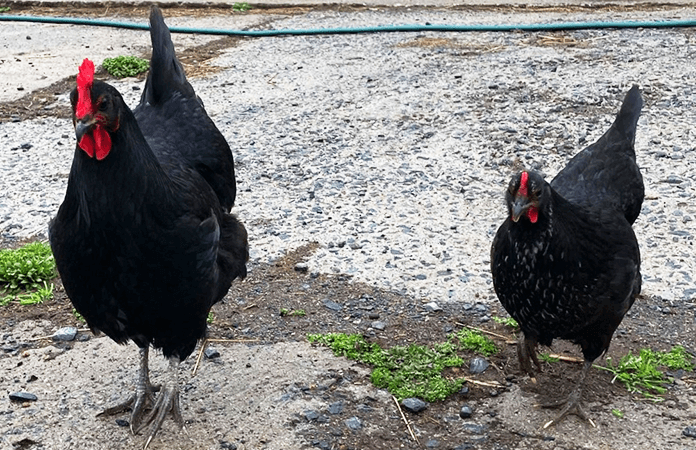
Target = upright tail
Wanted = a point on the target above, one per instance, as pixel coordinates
(166, 72)
(627, 118)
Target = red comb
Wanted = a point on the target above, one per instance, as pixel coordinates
(85, 78)
(523, 184)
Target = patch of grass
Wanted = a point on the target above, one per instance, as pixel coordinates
(507, 321)
(26, 268)
(241, 6)
(292, 313)
(641, 373)
(618, 413)
(4, 9)
(210, 317)
(34, 298)
(125, 66)
(412, 371)
(476, 342)
(548, 358)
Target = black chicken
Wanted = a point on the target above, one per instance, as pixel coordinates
(566, 262)
(144, 241)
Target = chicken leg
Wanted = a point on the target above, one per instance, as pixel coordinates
(526, 353)
(143, 399)
(167, 400)
(573, 404)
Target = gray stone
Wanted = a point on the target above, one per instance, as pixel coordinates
(23, 397)
(333, 306)
(336, 408)
(474, 428)
(478, 365)
(65, 334)
(354, 423)
(432, 306)
(414, 405)
(465, 412)
(689, 432)
(211, 353)
(377, 325)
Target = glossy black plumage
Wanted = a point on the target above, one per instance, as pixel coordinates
(574, 272)
(144, 242)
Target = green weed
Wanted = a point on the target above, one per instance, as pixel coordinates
(476, 342)
(4, 9)
(33, 298)
(241, 6)
(26, 268)
(405, 371)
(641, 373)
(507, 321)
(618, 413)
(78, 316)
(125, 66)
(548, 358)
(210, 317)
(292, 313)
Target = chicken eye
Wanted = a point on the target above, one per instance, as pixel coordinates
(103, 105)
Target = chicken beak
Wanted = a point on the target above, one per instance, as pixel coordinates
(519, 207)
(84, 126)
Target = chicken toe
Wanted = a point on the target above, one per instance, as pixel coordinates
(573, 404)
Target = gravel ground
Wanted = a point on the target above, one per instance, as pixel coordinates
(392, 151)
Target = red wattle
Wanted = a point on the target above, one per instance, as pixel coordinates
(103, 142)
(533, 214)
(87, 144)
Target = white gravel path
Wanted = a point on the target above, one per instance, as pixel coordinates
(393, 150)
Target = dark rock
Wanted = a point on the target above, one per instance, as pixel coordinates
(23, 397)
(689, 432)
(65, 334)
(354, 423)
(465, 412)
(493, 393)
(478, 365)
(414, 405)
(311, 415)
(464, 390)
(122, 423)
(465, 446)
(301, 267)
(211, 353)
(336, 408)
(373, 316)
(333, 306)
(228, 445)
(432, 306)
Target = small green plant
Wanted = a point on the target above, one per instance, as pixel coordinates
(412, 371)
(548, 358)
(33, 298)
(125, 66)
(641, 373)
(4, 9)
(618, 413)
(26, 268)
(507, 321)
(294, 313)
(210, 317)
(241, 6)
(78, 316)
(476, 342)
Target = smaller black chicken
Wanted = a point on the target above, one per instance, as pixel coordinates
(566, 263)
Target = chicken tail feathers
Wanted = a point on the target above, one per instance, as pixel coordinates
(166, 75)
(627, 119)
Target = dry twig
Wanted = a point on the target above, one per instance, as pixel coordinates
(406, 421)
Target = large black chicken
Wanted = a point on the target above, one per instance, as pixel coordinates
(144, 241)
(566, 262)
